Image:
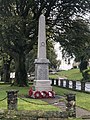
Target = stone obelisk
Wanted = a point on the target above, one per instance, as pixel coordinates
(42, 82)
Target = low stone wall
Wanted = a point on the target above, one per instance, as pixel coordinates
(32, 115)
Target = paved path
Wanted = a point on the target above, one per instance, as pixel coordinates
(59, 103)
(82, 113)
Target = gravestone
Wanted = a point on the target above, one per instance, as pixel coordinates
(42, 82)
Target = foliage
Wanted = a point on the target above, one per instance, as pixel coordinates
(5, 61)
(83, 64)
(75, 39)
(32, 55)
(84, 69)
(51, 55)
(19, 26)
(86, 74)
(30, 59)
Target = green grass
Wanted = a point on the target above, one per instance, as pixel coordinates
(82, 99)
(75, 119)
(23, 105)
(55, 76)
(73, 74)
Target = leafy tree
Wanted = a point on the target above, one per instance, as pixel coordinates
(77, 43)
(51, 55)
(30, 59)
(32, 55)
(76, 39)
(19, 23)
(5, 61)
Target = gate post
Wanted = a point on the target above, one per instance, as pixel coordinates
(12, 99)
(74, 85)
(61, 83)
(71, 104)
(82, 85)
(67, 83)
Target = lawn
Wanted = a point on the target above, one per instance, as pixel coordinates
(73, 74)
(82, 99)
(32, 104)
(75, 119)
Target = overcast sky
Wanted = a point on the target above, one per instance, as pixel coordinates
(64, 65)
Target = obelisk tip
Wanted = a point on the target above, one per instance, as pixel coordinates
(42, 38)
(42, 15)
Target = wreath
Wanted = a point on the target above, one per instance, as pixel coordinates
(51, 94)
(30, 92)
(44, 94)
(37, 94)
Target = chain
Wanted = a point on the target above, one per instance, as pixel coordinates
(29, 101)
(34, 102)
(3, 99)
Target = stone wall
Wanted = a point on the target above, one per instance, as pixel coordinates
(32, 115)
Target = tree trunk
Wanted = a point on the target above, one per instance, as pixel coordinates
(6, 73)
(6, 70)
(20, 71)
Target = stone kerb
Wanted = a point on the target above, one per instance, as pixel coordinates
(32, 115)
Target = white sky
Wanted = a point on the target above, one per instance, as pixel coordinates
(58, 51)
(64, 65)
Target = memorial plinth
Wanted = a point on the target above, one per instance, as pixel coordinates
(42, 82)
(42, 85)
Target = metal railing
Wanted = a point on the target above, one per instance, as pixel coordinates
(71, 84)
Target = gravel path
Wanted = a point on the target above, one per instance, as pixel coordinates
(80, 112)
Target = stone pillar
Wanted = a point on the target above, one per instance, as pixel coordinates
(42, 82)
(52, 82)
(41, 38)
(12, 99)
(67, 83)
(83, 86)
(56, 82)
(71, 104)
(61, 83)
(74, 85)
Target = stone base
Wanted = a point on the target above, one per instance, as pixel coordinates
(42, 85)
(41, 89)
